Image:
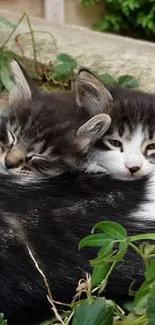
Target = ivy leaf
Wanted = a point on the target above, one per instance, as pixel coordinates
(98, 312)
(6, 78)
(114, 229)
(108, 79)
(128, 81)
(63, 57)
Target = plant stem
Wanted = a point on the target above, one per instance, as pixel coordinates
(10, 35)
(104, 282)
(33, 41)
(137, 250)
(140, 321)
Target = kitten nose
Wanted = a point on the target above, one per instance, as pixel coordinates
(14, 158)
(133, 169)
(9, 164)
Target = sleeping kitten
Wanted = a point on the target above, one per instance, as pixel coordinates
(43, 135)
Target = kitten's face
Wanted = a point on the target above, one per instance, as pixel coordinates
(127, 150)
(128, 156)
(43, 135)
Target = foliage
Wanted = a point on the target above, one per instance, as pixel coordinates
(114, 242)
(134, 18)
(61, 72)
(2, 320)
(88, 2)
(127, 81)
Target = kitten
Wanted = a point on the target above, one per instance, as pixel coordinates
(127, 150)
(42, 135)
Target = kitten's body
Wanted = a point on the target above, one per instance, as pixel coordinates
(51, 219)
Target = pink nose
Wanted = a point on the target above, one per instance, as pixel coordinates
(133, 169)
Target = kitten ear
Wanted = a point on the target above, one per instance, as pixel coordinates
(91, 93)
(92, 130)
(23, 86)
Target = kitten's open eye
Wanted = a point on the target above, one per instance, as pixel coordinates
(115, 143)
(150, 146)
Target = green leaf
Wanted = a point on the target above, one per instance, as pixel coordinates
(6, 77)
(148, 249)
(145, 291)
(63, 57)
(99, 312)
(114, 229)
(128, 81)
(142, 237)
(108, 79)
(1, 86)
(99, 273)
(62, 69)
(7, 22)
(150, 272)
(117, 255)
(2, 320)
(65, 68)
(121, 252)
(96, 241)
(151, 307)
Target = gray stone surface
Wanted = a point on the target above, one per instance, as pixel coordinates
(102, 52)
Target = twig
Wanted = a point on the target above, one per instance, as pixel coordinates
(33, 41)
(20, 47)
(49, 295)
(10, 35)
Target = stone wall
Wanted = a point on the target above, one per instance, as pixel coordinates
(74, 12)
(35, 7)
(102, 52)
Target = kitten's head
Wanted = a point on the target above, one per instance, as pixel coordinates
(127, 150)
(43, 135)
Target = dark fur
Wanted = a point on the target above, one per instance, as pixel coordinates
(51, 219)
(130, 107)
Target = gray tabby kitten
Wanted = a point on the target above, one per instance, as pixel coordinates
(43, 135)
